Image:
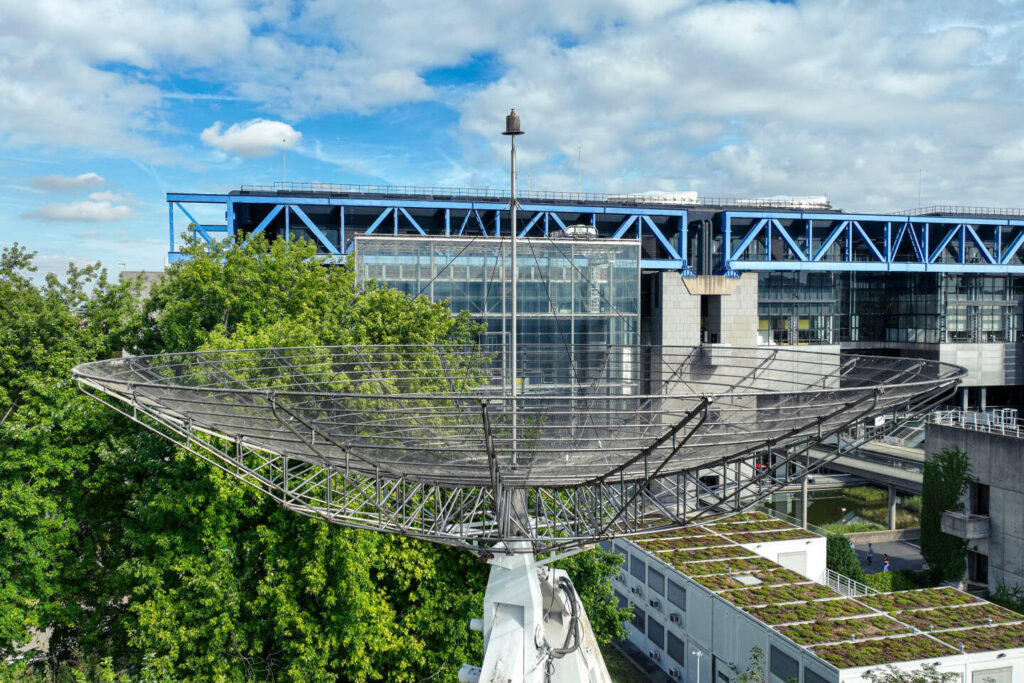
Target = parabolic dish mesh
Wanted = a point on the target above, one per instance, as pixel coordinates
(444, 415)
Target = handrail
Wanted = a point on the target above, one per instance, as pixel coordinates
(840, 583)
(680, 199)
(960, 210)
(844, 585)
(1003, 423)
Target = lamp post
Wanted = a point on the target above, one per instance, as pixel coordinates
(512, 129)
(698, 654)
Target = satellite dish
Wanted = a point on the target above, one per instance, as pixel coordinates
(421, 440)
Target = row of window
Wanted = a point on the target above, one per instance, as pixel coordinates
(784, 666)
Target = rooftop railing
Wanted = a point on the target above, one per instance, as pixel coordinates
(1004, 422)
(844, 585)
(537, 195)
(958, 210)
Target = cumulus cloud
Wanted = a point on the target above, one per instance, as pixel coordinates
(256, 138)
(726, 97)
(112, 197)
(756, 98)
(60, 183)
(96, 209)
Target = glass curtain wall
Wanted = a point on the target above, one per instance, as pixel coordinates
(931, 308)
(571, 293)
(983, 309)
(797, 308)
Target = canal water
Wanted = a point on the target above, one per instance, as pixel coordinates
(837, 505)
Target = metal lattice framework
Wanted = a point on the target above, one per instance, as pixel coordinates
(429, 441)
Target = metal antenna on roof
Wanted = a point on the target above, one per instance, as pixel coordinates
(512, 129)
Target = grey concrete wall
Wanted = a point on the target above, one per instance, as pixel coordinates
(734, 316)
(998, 461)
(676, 322)
(987, 364)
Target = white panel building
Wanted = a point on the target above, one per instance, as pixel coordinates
(705, 596)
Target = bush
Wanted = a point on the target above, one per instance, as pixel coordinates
(851, 527)
(1010, 597)
(902, 580)
(913, 504)
(945, 476)
(841, 558)
(867, 494)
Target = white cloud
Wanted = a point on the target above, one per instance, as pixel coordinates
(758, 99)
(60, 183)
(112, 197)
(730, 98)
(256, 138)
(89, 210)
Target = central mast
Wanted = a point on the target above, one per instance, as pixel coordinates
(512, 129)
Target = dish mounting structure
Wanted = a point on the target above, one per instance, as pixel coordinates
(593, 443)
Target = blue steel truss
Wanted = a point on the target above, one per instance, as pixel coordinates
(334, 231)
(758, 240)
(748, 240)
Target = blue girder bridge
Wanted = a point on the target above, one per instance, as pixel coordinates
(771, 240)
(709, 237)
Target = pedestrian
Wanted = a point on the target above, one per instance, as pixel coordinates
(885, 562)
(852, 546)
(871, 554)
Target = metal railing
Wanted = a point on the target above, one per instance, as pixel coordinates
(840, 583)
(1004, 422)
(844, 585)
(682, 199)
(958, 210)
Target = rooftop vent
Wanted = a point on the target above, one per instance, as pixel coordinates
(581, 230)
(748, 579)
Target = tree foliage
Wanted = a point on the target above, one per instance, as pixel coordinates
(945, 475)
(754, 673)
(842, 558)
(50, 435)
(148, 561)
(926, 673)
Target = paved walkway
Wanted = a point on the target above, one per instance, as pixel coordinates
(901, 556)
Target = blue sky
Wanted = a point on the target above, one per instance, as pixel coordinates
(105, 106)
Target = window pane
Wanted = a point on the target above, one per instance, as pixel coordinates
(637, 568)
(676, 649)
(784, 666)
(655, 632)
(656, 580)
(811, 677)
(677, 595)
(639, 619)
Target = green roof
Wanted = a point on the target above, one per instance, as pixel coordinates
(846, 632)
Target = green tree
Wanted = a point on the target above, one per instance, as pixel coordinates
(842, 558)
(754, 673)
(163, 567)
(945, 475)
(50, 435)
(148, 561)
(591, 573)
(926, 673)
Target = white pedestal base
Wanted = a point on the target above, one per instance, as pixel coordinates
(530, 633)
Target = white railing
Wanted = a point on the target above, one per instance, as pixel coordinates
(844, 585)
(957, 210)
(682, 199)
(1004, 422)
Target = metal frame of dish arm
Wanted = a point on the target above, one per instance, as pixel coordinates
(562, 519)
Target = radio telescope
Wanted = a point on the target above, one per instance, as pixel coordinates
(513, 452)
(588, 443)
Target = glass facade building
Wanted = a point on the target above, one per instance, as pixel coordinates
(830, 308)
(571, 292)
